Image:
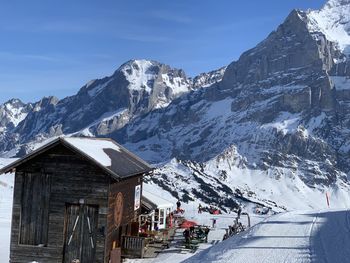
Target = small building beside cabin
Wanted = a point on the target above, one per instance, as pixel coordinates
(74, 199)
(155, 211)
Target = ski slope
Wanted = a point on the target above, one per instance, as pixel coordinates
(322, 236)
(296, 236)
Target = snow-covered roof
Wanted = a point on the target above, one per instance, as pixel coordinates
(95, 148)
(157, 200)
(104, 152)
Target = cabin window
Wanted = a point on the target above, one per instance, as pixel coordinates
(34, 223)
(161, 216)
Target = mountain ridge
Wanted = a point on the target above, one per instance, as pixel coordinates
(135, 88)
(282, 110)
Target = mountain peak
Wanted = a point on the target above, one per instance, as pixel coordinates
(333, 20)
(138, 64)
(143, 74)
(139, 70)
(336, 3)
(12, 113)
(14, 102)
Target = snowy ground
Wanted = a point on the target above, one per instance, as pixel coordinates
(316, 236)
(6, 183)
(216, 234)
(322, 236)
(172, 255)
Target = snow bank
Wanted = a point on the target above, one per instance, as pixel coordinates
(6, 192)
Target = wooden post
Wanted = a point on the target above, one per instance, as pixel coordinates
(327, 198)
(116, 255)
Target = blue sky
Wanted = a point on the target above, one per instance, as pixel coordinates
(54, 47)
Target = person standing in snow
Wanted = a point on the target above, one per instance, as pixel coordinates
(187, 235)
(226, 236)
(239, 212)
(231, 232)
(214, 222)
(178, 205)
(199, 209)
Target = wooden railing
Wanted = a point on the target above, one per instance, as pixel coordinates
(133, 247)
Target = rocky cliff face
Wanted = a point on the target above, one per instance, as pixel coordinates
(284, 103)
(12, 113)
(101, 106)
(208, 79)
(282, 110)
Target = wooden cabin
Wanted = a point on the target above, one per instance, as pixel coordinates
(74, 199)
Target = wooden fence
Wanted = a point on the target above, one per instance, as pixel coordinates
(133, 247)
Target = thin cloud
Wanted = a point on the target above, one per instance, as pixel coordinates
(18, 56)
(241, 23)
(170, 17)
(140, 33)
(52, 27)
(65, 27)
(144, 38)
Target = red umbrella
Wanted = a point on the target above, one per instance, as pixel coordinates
(188, 224)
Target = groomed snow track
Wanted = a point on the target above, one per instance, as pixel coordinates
(321, 236)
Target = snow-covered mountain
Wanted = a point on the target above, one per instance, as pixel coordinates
(100, 107)
(278, 121)
(12, 113)
(273, 126)
(333, 21)
(279, 116)
(208, 79)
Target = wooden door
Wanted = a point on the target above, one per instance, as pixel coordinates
(80, 233)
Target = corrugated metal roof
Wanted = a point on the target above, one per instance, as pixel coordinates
(104, 152)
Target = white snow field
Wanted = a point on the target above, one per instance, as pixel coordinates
(322, 236)
(296, 236)
(6, 191)
(5, 220)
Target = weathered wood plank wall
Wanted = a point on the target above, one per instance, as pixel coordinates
(72, 179)
(129, 215)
